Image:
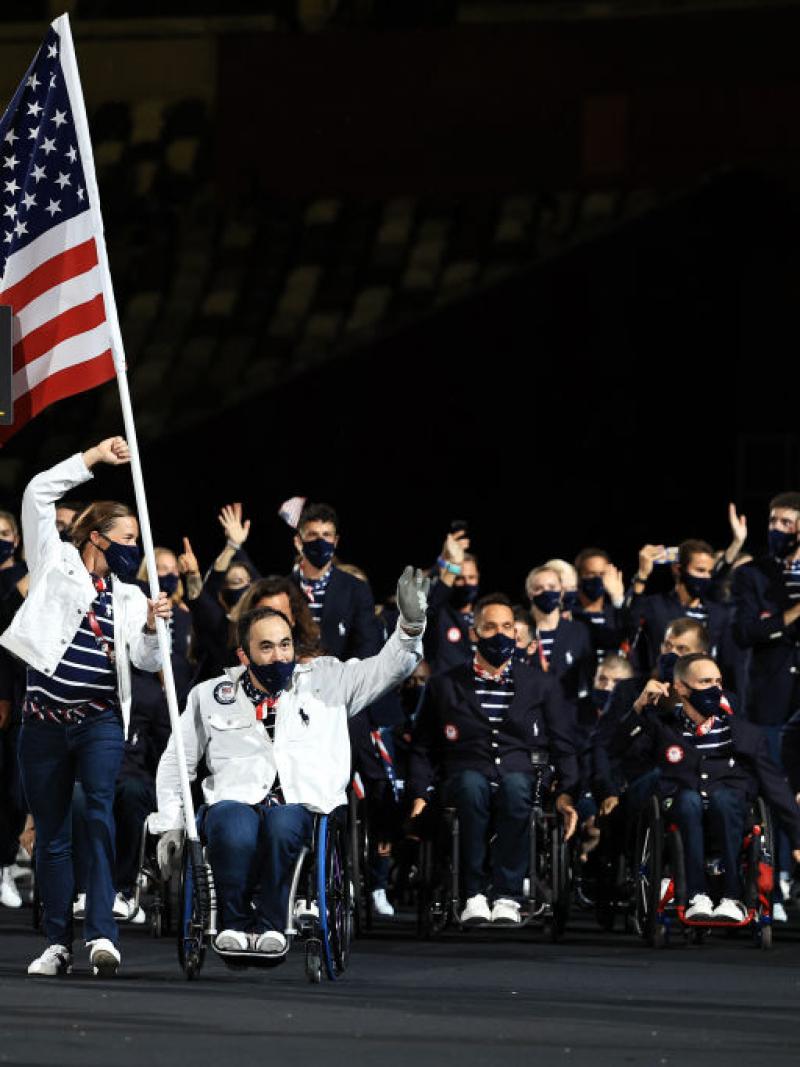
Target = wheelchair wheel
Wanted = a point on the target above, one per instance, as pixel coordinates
(191, 923)
(358, 834)
(313, 962)
(438, 877)
(333, 896)
(649, 858)
(561, 879)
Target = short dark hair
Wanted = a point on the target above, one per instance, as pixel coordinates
(685, 625)
(590, 553)
(690, 548)
(685, 662)
(492, 598)
(786, 500)
(246, 623)
(317, 513)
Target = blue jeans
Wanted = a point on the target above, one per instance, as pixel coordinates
(134, 799)
(511, 801)
(252, 850)
(51, 756)
(726, 814)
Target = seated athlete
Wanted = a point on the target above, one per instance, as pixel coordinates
(713, 765)
(274, 737)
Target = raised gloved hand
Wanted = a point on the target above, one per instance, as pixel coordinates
(412, 600)
(168, 852)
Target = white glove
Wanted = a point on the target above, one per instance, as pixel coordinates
(168, 852)
(412, 599)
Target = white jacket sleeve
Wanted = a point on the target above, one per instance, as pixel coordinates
(144, 651)
(168, 782)
(358, 683)
(39, 532)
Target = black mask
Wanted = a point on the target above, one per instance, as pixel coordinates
(319, 552)
(705, 701)
(463, 595)
(666, 666)
(123, 560)
(6, 550)
(168, 583)
(547, 601)
(781, 544)
(273, 677)
(231, 597)
(592, 588)
(600, 699)
(695, 587)
(569, 600)
(497, 649)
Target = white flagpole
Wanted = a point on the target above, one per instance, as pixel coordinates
(69, 65)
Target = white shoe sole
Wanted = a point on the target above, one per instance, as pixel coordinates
(62, 972)
(505, 921)
(104, 964)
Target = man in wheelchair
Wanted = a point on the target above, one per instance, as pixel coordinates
(274, 737)
(713, 765)
(484, 734)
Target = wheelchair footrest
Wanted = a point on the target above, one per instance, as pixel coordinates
(709, 924)
(250, 959)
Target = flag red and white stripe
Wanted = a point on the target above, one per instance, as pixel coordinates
(291, 510)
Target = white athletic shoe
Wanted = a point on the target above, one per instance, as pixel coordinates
(122, 907)
(476, 910)
(56, 959)
(779, 913)
(138, 917)
(104, 957)
(701, 908)
(79, 907)
(232, 941)
(305, 909)
(505, 912)
(381, 904)
(785, 882)
(730, 910)
(271, 943)
(9, 894)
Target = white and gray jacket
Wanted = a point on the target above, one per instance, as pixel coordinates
(311, 750)
(61, 591)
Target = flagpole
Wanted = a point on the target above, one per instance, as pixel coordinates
(69, 65)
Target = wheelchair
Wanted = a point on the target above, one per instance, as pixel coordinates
(160, 900)
(322, 873)
(358, 830)
(547, 889)
(660, 887)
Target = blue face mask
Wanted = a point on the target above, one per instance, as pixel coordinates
(168, 583)
(497, 649)
(273, 677)
(569, 600)
(695, 587)
(601, 698)
(781, 544)
(547, 601)
(592, 588)
(6, 550)
(319, 552)
(123, 560)
(666, 666)
(705, 701)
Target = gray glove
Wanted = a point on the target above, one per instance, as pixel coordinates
(168, 852)
(412, 599)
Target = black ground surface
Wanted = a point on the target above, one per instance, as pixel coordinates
(480, 998)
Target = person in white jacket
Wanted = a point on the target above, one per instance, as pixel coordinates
(80, 628)
(274, 736)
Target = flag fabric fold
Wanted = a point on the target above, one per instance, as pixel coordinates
(50, 233)
(291, 509)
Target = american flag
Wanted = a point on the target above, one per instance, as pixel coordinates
(51, 238)
(290, 510)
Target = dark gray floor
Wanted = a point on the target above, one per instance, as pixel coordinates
(470, 1000)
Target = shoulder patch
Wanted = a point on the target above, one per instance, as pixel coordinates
(454, 635)
(674, 754)
(225, 693)
(451, 731)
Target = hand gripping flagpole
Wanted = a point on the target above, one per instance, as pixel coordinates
(69, 65)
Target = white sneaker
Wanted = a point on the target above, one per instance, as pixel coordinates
(9, 894)
(138, 917)
(305, 909)
(56, 959)
(476, 910)
(271, 943)
(785, 882)
(779, 913)
(701, 908)
(505, 912)
(380, 903)
(729, 910)
(104, 957)
(232, 941)
(79, 907)
(122, 907)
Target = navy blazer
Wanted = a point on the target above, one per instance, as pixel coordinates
(452, 732)
(348, 625)
(750, 769)
(610, 634)
(447, 642)
(571, 661)
(760, 599)
(611, 773)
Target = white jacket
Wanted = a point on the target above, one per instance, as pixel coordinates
(61, 591)
(311, 750)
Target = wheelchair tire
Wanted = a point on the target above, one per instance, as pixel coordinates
(313, 962)
(333, 895)
(649, 866)
(764, 936)
(358, 837)
(562, 881)
(190, 925)
(434, 893)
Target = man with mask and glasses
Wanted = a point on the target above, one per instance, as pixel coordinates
(450, 640)
(273, 734)
(490, 730)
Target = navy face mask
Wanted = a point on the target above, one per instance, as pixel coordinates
(273, 677)
(521, 654)
(592, 588)
(123, 560)
(233, 596)
(6, 550)
(569, 600)
(705, 701)
(695, 587)
(497, 649)
(463, 595)
(547, 601)
(319, 552)
(168, 583)
(666, 666)
(601, 698)
(781, 544)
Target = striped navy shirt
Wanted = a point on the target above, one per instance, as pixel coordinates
(546, 639)
(266, 710)
(791, 580)
(494, 692)
(713, 737)
(700, 613)
(315, 589)
(85, 680)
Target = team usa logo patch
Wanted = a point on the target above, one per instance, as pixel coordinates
(454, 635)
(451, 732)
(225, 693)
(674, 754)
